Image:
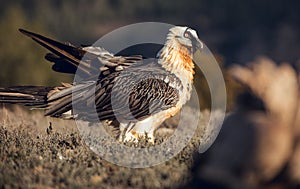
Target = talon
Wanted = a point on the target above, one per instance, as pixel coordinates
(129, 137)
(151, 138)
(135, 137)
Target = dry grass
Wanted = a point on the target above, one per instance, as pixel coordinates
(36, 155)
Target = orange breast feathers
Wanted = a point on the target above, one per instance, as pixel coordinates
(178, 59)
(186, 59)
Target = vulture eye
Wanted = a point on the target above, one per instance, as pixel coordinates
(187, 34)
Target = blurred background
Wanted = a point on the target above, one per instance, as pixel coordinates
(237, 31)
(259, 143)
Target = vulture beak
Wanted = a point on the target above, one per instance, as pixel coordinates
(198, 45)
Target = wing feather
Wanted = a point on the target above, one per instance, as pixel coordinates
(129, 88)
(85, 61)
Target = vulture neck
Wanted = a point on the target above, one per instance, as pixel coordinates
(178, 60)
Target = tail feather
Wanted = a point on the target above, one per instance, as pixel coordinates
(55, 100)
(25, 95)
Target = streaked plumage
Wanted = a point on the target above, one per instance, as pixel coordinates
(139, 93)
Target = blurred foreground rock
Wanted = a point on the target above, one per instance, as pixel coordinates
(258, 146)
